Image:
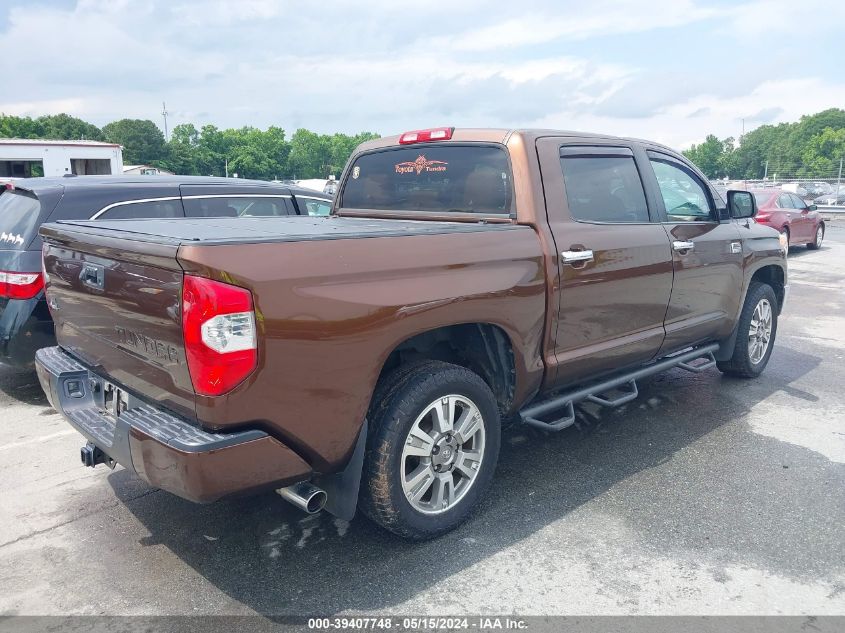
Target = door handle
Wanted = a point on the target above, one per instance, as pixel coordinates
(573, 257)
(683, 246)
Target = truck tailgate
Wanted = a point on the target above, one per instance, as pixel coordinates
(116, 305)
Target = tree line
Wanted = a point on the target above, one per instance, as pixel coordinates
(208, 151)
(809, 148)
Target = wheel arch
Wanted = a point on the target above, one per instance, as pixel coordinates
(773, 275)
(484, 348)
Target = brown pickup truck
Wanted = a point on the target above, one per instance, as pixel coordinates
(465, 279)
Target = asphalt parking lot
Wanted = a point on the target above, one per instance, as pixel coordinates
(707, 495)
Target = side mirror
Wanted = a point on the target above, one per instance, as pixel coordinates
(813, 207)
(741, 204)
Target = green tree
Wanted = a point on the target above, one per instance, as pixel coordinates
(142, 141)
(729, 160)
(185, 133)
(309, 155)
(181, 150)
(20, 127)
(707, 156)
(66, 127)
(340, 148)
(823, 153)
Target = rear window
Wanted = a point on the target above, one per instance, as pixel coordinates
(762, 198)
(315, 206)
(20, 213)
(436, 178)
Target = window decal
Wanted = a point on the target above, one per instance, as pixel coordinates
(420, 165)
(14, 238)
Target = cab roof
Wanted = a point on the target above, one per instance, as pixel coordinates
(501, 135)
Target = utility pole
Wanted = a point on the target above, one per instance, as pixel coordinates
(766, 173)
(839, 178)
(164, 113)
(226, 166)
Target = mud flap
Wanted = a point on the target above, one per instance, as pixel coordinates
(726, 347)
(342, 488)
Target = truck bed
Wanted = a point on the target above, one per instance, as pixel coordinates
(176, 231)
(323, 290)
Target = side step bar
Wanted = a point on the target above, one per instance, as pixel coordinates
(625, 385)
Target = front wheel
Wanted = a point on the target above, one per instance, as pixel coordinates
(757, 328)
(816, 244)
(432, 449)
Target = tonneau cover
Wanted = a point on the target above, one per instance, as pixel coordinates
(253, 230)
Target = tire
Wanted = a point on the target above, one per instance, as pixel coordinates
(747, 360)
(816, 244)
(785, 231)
(409, 494)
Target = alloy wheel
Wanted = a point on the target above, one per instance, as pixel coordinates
(442, 454)
(760, 331)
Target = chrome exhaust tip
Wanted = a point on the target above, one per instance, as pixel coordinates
(305, 496)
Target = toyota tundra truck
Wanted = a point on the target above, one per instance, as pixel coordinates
(465, 279)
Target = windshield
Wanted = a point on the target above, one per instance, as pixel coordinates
(436, 178)
(19, 219)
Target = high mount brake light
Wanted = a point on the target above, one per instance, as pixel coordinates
(421, 136)
(20, 285)
(218, 324)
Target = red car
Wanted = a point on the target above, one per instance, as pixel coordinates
(789, 214)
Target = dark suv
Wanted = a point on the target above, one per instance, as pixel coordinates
(25, 323)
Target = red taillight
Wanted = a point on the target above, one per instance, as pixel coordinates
(762, 217)
(218, 323)
(421, 136)
(20, 285)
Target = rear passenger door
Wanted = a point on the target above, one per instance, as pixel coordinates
(706, 254)
(614, 258)
(802, 218)
(216, 201)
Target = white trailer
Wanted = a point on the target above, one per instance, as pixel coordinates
(25, 158)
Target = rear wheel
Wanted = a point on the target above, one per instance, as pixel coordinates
(757, 329)
(432, 449)
(816, 244)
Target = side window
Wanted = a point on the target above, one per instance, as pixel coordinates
(604, 189)
(314, 207)
(234, 206)
(151, 209)
(784, 201)
(797, 202)
(684, 197)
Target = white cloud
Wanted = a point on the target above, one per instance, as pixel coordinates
(37, 108)
(386, 66)
(581, 21)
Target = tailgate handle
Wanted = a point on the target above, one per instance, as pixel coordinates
(93, 275)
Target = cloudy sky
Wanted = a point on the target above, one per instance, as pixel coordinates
(668, 70)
